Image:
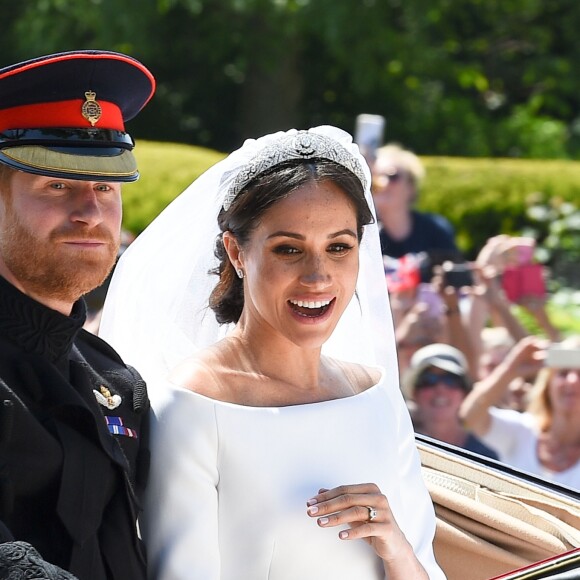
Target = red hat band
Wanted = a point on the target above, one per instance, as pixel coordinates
(74, 113)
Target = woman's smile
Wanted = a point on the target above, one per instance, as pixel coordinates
(312, 310)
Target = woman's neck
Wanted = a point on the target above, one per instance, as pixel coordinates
(277, 360)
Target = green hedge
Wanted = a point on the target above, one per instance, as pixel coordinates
(485, 197)
(166, 170)
(481, 197)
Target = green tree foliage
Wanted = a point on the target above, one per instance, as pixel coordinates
(481, 78)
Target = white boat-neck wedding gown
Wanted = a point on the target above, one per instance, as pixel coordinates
(229, 486)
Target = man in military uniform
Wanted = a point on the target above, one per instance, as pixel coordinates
(73, 416)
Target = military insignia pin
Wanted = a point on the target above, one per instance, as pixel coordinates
(91, 109)
(116, 427)
(105, 398)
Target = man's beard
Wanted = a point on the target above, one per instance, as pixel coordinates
(45, 269)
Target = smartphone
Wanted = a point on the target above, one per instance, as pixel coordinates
(561, 357)
(426, 294)
(525, 280)
(432, 258)
(521, 251)
(368, 135)
(457, 275)
(524, 254)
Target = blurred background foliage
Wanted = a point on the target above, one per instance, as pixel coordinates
(487, 92)
(474, 78)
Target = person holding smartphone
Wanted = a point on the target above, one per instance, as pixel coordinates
(509, 261)
(545, 439)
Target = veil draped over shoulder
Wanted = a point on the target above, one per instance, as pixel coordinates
(156, 313)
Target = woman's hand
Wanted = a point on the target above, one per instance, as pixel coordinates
(365, 512)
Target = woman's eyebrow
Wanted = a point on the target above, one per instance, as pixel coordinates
(285, 234)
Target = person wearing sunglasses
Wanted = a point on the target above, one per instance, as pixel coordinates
(436, 383)
(396, 176)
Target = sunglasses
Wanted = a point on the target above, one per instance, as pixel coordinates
(392, 177)
(429, 380)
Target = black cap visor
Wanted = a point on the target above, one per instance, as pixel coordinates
(86, 154)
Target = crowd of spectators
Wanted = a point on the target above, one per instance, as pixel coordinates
(472, 374)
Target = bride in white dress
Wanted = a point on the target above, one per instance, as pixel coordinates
(281, 446)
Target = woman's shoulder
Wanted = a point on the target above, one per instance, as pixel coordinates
(361, 377)
(213, 374)
(202, 373)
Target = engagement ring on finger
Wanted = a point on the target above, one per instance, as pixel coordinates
(372, 513)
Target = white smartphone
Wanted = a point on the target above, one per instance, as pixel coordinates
(560, 357)
(368, 134)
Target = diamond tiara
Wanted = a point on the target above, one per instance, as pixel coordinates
(301, 145)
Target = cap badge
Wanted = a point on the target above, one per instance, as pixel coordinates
(91, 110)
(106, 399)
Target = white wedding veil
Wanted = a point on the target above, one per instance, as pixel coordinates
(156, 312)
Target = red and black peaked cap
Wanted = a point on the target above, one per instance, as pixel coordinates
(63, 115)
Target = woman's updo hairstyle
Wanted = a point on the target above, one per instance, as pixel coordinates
(245, 212)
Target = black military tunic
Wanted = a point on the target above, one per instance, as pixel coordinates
(73, 442)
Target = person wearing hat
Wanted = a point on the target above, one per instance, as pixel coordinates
(436, 383)
(73, 417)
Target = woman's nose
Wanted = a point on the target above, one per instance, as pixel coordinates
(315, 272)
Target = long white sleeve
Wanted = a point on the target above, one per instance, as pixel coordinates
(180, 523)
